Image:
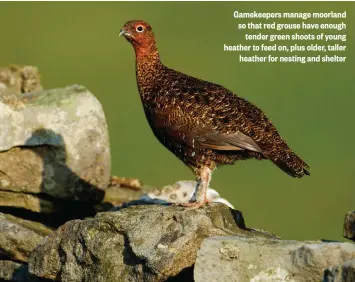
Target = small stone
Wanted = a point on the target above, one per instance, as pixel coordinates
(19, 79)
(349, 225)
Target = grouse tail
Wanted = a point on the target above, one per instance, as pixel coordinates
(290, 163)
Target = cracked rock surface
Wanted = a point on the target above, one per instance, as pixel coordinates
(138, 243)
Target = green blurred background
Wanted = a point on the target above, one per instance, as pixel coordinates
(312, 105)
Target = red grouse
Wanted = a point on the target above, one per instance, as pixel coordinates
(203, 124)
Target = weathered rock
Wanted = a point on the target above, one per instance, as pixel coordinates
(27, 201)
(19, 79)
(13, 271)
(259, 259)
(139, 243)
(54, 142)
(18, 237)
(341, 273)
(349, 225)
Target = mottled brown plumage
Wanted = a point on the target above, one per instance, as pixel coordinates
(204, 124)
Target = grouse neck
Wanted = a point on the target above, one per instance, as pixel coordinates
(147, 53)
(147, 60)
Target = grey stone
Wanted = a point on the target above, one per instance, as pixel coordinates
(138, 243)
(18, 237)
(237, 258)
(349, 225)
(54, 142)
(341, 273)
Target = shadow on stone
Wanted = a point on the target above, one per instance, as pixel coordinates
(186, 275)
(73, 210)
(238, 218)
(77, 198)
(145, 200)
(55, 169)
(21, 274)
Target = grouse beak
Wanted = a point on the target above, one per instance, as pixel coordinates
(125, 33)
(122, 32)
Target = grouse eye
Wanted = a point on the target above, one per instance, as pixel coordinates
(139, 28)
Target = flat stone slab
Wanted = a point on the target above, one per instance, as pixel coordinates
(237, 258)
(29, 202)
